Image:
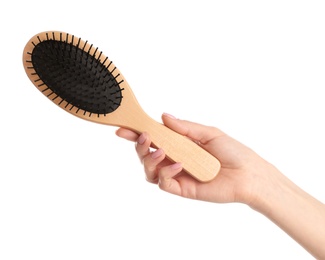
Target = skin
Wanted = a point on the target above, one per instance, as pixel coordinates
(244, 177)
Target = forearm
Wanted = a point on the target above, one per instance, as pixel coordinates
(296, 212)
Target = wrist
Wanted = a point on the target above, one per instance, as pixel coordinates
(266, 183)
(292, 209)
(269, 191)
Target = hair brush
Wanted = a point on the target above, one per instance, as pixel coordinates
(79, 78)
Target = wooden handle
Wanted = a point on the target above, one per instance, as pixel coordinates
(195, 160)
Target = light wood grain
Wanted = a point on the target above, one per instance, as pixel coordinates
(195, 161)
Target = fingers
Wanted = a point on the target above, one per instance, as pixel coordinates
(167, 181)
(127, 134)
(194, 131)
(151, 165)
(157, 169)
(150, 160)
(142, 146)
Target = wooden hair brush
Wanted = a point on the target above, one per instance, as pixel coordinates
(80, 79)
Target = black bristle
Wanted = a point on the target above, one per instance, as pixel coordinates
(76, 76)
(83, 49)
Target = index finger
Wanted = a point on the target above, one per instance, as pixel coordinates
(127, 134)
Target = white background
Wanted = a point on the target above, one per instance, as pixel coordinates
(70, 189)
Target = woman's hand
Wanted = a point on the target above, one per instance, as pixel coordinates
(239, 164)
(244, 177)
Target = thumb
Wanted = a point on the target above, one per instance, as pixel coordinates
(197, 132)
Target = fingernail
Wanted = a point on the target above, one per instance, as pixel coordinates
(169, 115)
(156, 153)
(142, 138)
(176, 166)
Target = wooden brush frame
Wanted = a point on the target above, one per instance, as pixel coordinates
(195, 161)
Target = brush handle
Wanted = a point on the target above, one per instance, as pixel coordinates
(195, 160)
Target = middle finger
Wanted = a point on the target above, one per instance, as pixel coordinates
(142, 146)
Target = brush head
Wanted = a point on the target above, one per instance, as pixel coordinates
(74, 71)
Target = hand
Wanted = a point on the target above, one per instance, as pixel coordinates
(239, 164)
(244, 177)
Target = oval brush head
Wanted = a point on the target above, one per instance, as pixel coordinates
(84, 82)
(76, 76)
